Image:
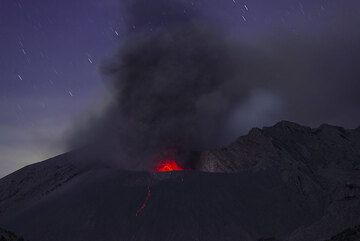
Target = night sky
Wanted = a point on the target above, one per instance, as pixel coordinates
(51, 52)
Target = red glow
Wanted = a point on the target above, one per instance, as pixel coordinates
(168, 166)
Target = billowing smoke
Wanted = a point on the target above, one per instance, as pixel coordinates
(180, 87)
(175, 83)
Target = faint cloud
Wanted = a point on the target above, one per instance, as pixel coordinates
(262, 108)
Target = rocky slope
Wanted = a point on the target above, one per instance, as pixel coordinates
(288, 182)
(350, 234)
(321, 166)
(8, 236)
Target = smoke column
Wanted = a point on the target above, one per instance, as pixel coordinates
(174, 83)
(180, 87)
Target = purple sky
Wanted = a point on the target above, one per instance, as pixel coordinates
(51, 51)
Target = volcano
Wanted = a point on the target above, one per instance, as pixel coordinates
(286, 182)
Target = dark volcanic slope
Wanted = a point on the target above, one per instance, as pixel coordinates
(320, 166)
(8, 236)
(350, 234)
(108, 204)
(287, 181)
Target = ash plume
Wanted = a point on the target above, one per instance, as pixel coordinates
(173, 86)
(180, 86)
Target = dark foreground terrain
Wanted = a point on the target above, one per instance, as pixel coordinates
(286, 182)
(8, 236)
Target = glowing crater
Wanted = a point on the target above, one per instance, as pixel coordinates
(168, 166)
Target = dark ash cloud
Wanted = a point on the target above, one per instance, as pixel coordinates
(180, 86)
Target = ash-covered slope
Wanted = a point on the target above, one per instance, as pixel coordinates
(350, 234)
(108, 204)
(9, 236)
(289, 182)
(321, 166)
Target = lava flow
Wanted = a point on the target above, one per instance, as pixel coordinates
(168, 166)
